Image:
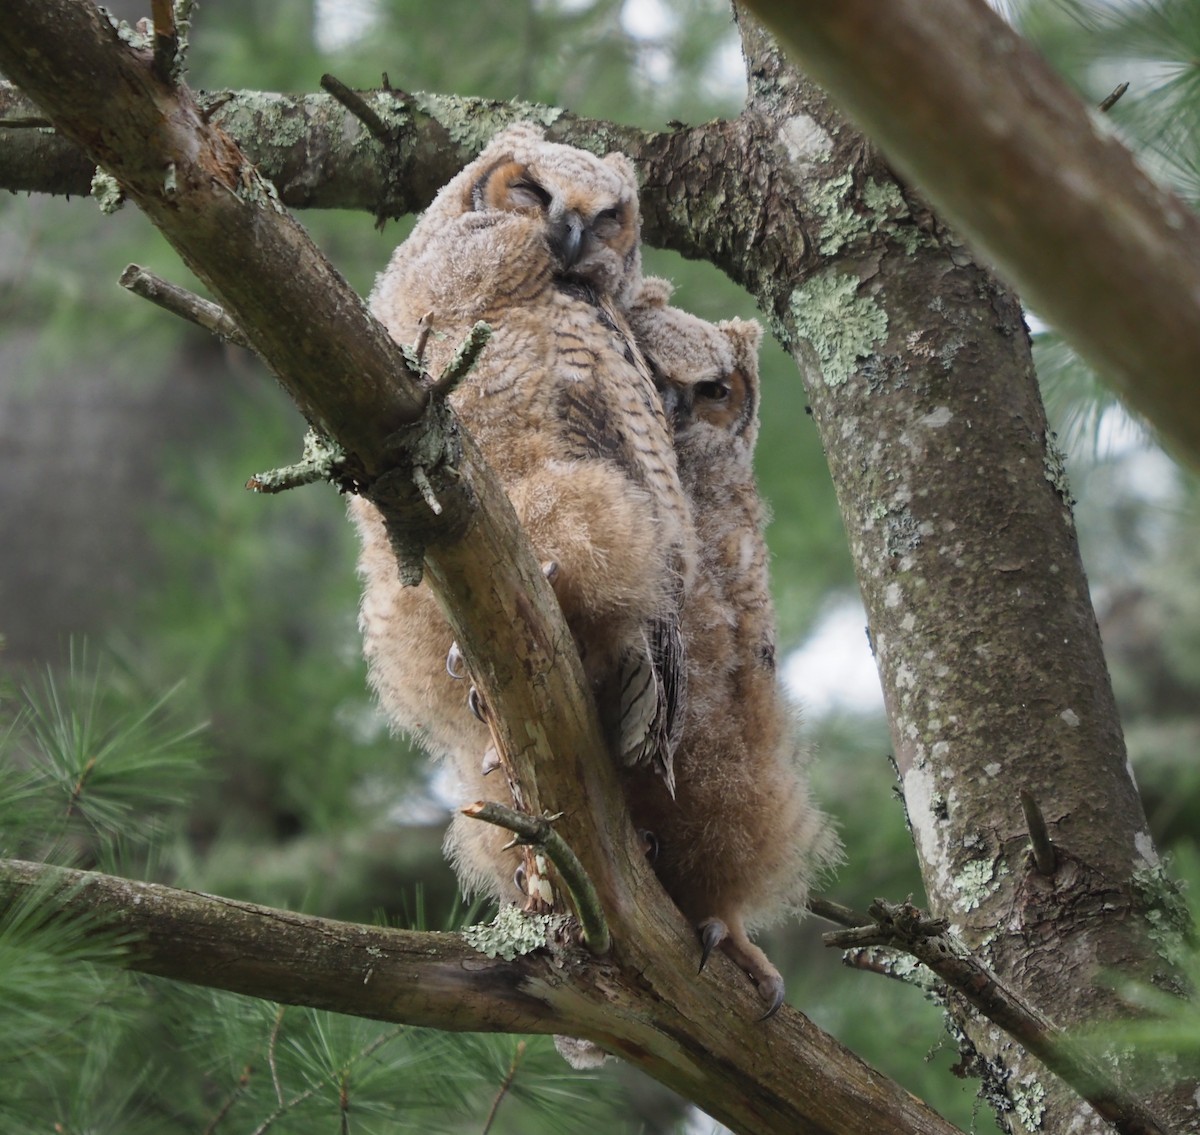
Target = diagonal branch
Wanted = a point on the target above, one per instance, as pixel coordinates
(901, 926)
(1006, 151)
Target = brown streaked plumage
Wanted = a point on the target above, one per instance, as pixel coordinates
(541, 241)
(740, 844)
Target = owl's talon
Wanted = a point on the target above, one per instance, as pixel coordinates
(491, 760)
(475, 704)
(455, 663)
(550, 571)
(771, 990)
(649, 844)
(712, 933)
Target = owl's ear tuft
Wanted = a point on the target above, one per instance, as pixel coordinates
(745, 336)
(623, 165)
(653, 291)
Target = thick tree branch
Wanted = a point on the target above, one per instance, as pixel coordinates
(1006, 151)
(417, 978)
(438, 981)
(919, 376)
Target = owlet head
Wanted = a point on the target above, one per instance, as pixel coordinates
(707, 373)
(588, 205)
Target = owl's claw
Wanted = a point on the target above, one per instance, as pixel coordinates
(767, 979)
(456, 664)
(649, 843)
(712, 933)
(491, 760)
(475, 704)
(550, 571)
(771, 990)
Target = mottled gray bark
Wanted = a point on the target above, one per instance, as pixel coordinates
(917, 365)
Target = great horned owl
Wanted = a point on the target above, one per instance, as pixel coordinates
(541, 241)
(739, 846)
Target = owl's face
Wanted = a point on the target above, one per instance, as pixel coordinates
(587, 205)
(724, 400)
(707, 373)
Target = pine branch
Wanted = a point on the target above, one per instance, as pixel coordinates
(787, 1076)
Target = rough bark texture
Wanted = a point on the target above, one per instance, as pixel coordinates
(918, 372)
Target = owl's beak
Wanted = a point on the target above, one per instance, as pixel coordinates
(568, 238)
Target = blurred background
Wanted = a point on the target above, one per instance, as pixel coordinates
(182, 696)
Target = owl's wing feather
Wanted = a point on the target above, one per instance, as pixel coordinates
(653, 697)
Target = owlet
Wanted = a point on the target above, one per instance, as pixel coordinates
(739, 845)
(541, 241)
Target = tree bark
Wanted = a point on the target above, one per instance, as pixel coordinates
(788, 1076)
(918, 369)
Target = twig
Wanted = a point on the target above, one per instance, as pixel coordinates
(537, 831)
(422, 482)
(271, 1053)
(903, 927)
(358, 106)
(321, 461)
(463, 360)
(166, 39)
(187, 305)
(1044, 856)
(505, 1084)
(1107, 104)
(835, 912)
(239, 1091)
(286, 1106)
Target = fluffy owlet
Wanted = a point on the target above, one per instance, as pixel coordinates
(541, 241)
(741, 842)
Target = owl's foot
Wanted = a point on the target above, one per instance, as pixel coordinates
(744, 953)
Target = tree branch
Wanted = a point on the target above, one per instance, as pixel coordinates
(1105, 254)
(436, 980)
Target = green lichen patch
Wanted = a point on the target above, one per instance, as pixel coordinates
(1056, 472)
(1029, 1102)
(512, 933)
(975, 883)
(841, 325)
(108, 192)
(1166, 913)
(883, 208)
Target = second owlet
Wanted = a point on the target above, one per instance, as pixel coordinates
(541, 241)
(740, 844)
